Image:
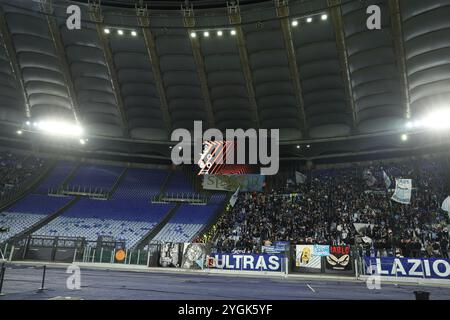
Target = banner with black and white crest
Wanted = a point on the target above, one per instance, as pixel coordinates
(339, 259)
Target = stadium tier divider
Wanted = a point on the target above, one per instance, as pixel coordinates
(165, 183)
(117, 183)
(186, 223)
(152, 233)
(70, 176)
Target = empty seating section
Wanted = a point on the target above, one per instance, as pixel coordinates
(140, 184)
(126, 220)
(96, 176)
(56, 177)
(178, 183)
(28, 212)
(186, 223)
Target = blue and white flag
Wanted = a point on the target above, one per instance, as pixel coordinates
(446, 205)
(387, 180)
(402, 192)
(369, 178)
(300, 177)
(234, 197)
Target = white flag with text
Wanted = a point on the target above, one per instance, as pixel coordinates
(403, 188)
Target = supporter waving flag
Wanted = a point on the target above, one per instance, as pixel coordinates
(387, 180)
(234, 197)
(300, 178)
(446, 205)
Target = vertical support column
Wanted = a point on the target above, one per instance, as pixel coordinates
(338, 24)
(397, 33)
(12, 55)
(283, 13)
(234, 15)
(96, 16)
(149, 39)
(61, 53)
(189, 22)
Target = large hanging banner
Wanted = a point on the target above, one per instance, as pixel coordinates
(245, 182)
(170, 255)
(247, 262)
(194, 255)
(305, 257)
(428, 268)
(402, 192)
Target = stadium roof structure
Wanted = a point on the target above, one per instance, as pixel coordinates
(139, 69)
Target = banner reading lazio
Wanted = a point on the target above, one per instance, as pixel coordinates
(248, 262)
(245, 182)
(429, 268)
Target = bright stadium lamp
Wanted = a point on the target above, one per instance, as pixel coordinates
(324, 17)
(309, 20)
(107, 31)
(120, 32)
(294, 23)
(233, 32)
(193, 34)
(220, 33)
(60, 128)
(404, 137)
(437, 120)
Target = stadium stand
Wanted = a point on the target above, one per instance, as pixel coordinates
(125, 220)
(95, 175)
(56, 177)
(140, 184)
(29, 211)
(178, 183)
(186, 223)
(325, 208)
(16, 170)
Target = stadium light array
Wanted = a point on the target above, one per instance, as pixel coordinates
(404, 137)
(437, 120)
(308, 19)
(207, 33)
(59, 128)
(120, 31)
(19, 132)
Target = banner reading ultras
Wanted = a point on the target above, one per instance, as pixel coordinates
(247, 262)
(429, 268)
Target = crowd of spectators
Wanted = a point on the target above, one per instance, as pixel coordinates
(15, 170)
(343, 206)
